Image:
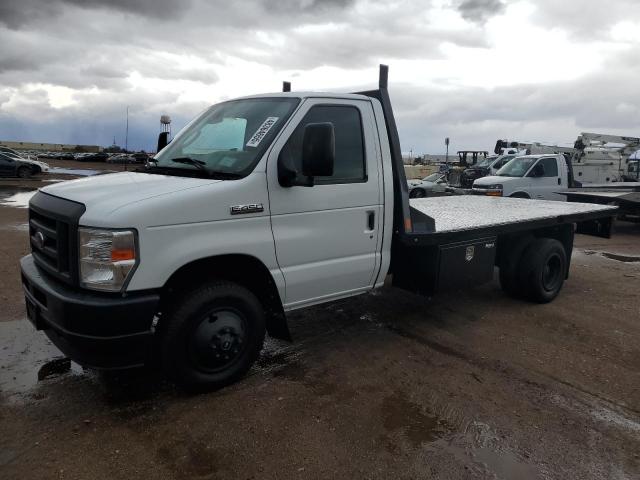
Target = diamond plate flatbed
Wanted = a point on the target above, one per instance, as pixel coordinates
(466, 216)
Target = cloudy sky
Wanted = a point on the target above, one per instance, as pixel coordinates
(473, 70)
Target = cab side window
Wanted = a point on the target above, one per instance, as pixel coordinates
(349, 166)
(550, 167)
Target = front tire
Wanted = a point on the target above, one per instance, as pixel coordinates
(417, 193)
(212, 337)
(24, 172)
(542, 270)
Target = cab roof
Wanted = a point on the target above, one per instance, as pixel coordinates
(338, 95)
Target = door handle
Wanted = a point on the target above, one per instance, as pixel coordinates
(371, 221)
(559, 181)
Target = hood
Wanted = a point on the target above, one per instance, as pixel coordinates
(474, 170)
(44, 166)
(116, 190)
(495, 179)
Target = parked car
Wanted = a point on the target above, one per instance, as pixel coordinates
(63, 156)
(140, 157)
(121, 158)
(14, 166)
(93, 157)
(434, 183)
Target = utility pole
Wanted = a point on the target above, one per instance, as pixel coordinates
(446, 158)
(126, 139)
(126, 135)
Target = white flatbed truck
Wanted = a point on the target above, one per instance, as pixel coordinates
(260, 206)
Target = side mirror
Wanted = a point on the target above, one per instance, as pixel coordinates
(318, 156)
(538, 170)
(318, 150)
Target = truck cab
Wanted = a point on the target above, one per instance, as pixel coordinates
(527, 176)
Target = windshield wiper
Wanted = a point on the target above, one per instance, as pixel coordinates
(190, 161)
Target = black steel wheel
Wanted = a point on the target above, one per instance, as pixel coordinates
(218, 340)
(543, 269)
(211, 336)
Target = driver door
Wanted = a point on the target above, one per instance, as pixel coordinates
(546, 186)
(328, 237)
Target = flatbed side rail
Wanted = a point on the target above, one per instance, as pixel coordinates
(597, 224)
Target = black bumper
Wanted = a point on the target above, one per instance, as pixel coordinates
(104, 331)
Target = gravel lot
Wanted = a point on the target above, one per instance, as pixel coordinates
(387, 385)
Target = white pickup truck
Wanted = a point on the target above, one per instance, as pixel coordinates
(528, 176)
(260, 206)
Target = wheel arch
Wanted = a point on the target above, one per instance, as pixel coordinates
(243, 269)
(520, 194)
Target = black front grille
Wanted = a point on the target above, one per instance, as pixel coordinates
(53, 233)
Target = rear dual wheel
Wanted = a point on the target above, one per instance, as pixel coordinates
(534, 269)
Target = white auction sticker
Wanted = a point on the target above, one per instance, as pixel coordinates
(262, 131)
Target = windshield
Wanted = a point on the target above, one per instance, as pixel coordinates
(229, 138)
(485, 162)
(516, 167)
(434, 177)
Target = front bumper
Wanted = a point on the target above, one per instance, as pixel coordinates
(493, 192)
(95, 330)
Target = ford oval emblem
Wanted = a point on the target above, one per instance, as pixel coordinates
(38, 239)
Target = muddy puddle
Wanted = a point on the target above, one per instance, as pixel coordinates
(614, 256)
(29, 362)
(27, 359)
(484, 453)
(17, 197)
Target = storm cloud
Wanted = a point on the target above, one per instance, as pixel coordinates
(480, 10)
(474, 70)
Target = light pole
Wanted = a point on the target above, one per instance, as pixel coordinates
(446, 158)
(126, 140)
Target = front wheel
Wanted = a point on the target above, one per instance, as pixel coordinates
(212, 337)
(417, 193)
(24, 172)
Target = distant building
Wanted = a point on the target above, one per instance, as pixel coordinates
(50, 147)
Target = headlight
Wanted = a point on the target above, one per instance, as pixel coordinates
(494, 190)
(107, 258)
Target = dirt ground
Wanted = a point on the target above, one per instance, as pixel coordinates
(388, 385)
